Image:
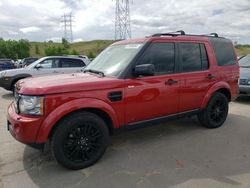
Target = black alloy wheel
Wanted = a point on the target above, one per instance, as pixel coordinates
(215, 114)
(80, 140)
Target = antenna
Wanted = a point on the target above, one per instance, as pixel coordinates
(67, 25)
(122, 20)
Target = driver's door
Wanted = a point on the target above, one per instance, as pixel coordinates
(48, 66)
(155, 96)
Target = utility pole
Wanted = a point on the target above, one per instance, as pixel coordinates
(122, 20)
(67, 25)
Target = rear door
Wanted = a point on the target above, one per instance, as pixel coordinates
(71, 65)
(195, 74)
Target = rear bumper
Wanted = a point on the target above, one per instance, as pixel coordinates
(244, 89)
(23, 128)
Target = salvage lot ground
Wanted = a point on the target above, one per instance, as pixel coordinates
(175, 154)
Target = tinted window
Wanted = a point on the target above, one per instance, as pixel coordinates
(72, 63)
(162, 56)
(193, 57)
(50, 63)
(190, 56)
(224, 51)
(204, 58)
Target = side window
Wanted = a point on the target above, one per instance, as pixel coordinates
(190, 56)
(162, 56)
(224, 51)
(193, 57)
(49, 63)
(204, 58)
(67, 62)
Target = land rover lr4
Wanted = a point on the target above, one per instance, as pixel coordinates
(131, 83)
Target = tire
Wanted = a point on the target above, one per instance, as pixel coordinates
(80, 140)
(215, 114)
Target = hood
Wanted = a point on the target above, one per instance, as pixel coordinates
(244, 73)
(13, 72)
(63, 83)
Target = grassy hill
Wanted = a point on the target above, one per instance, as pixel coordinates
(242, 49)
(83, 48)
(96, 46)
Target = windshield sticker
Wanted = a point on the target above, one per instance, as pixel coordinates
(132, 46)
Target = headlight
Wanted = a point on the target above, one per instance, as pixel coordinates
(248, 82)
(2, 73)
(32, 105)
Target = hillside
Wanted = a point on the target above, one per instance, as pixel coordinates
(84, 48)
(96, 46)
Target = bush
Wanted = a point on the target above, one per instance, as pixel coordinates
(14, 49)
(91, 55)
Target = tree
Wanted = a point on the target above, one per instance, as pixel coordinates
(65, 43)
(37, 49)
(14, 49)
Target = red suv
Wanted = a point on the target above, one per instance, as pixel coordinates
(132, 83)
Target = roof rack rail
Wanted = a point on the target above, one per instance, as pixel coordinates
(175, 33)
(212, 34)
(181, 32)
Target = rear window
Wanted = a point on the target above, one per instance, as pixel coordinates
(224, 51)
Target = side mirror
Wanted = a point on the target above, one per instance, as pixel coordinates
(38, 66)
(144, 70)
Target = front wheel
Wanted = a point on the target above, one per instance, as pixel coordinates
(80, 140)
(215, 114)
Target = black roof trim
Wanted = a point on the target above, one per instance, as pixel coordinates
(182, 33)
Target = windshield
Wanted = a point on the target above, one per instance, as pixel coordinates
(113, 60)
(32, 65)
(245, 61)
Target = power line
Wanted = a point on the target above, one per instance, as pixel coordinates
(122, 20)
(67, 25)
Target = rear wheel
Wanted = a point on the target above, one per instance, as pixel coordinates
(80, 140)
(215, 114)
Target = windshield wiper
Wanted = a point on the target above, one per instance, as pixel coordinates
(95, 72)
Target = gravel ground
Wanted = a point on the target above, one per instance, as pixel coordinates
(178, 153)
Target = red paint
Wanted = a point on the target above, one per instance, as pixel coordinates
(143, 98)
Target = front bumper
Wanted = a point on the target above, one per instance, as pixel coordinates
(23, 128)
(5, 82)
(244, 89)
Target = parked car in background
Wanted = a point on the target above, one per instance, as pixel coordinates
(6, 64)
(132, 83)
(27, 61)
(244, 83)
(17, 63)
(46, 65)
(241, 56)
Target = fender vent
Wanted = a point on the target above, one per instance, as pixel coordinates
(115, 96)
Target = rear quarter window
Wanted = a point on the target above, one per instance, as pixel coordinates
(224, 51)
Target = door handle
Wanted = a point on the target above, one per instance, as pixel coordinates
(210, 76)
(170, 82)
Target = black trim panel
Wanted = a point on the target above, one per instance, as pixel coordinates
(144, 123)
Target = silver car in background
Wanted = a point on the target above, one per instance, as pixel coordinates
(43, 66)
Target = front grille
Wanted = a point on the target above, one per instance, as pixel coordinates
(244, 81)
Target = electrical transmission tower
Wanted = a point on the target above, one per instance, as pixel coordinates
(67, 25)
(122, 20)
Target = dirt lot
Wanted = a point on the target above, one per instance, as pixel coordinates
(175, 154)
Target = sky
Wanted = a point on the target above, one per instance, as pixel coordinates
(40, 20)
